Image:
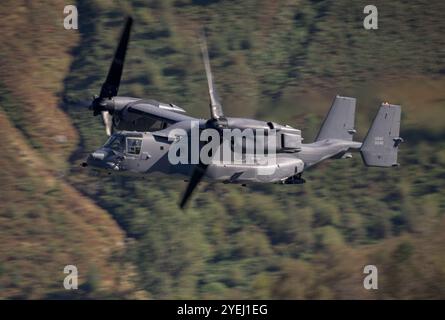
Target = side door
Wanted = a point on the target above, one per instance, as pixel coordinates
(133, 147)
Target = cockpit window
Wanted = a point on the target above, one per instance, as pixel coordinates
(134, 145)
(116, 142)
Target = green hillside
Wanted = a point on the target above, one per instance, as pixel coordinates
(46, 224)
(281, 61)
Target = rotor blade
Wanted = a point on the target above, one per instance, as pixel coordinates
(108, 122)
(197, 175)
(110, 87)
(216, 111)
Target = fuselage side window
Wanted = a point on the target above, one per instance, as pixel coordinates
(134, 145)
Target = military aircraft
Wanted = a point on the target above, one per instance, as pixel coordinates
(142, 133)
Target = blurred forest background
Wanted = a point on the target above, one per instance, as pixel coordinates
(274, 60)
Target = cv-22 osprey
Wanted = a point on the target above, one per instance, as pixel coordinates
(141, 136)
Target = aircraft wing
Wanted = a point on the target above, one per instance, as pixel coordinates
(159, 111)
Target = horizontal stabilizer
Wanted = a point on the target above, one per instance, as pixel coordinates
(381, 144)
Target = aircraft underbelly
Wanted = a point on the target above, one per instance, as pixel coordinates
(274, 171)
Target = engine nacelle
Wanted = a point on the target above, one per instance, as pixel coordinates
(124, 119)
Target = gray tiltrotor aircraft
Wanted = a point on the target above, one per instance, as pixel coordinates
(144, 135)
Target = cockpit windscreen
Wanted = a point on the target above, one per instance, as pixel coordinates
(116, 142)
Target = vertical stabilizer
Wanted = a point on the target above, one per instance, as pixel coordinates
(339, 122)
(381, 144)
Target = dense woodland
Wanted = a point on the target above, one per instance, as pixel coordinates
(282, 61)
